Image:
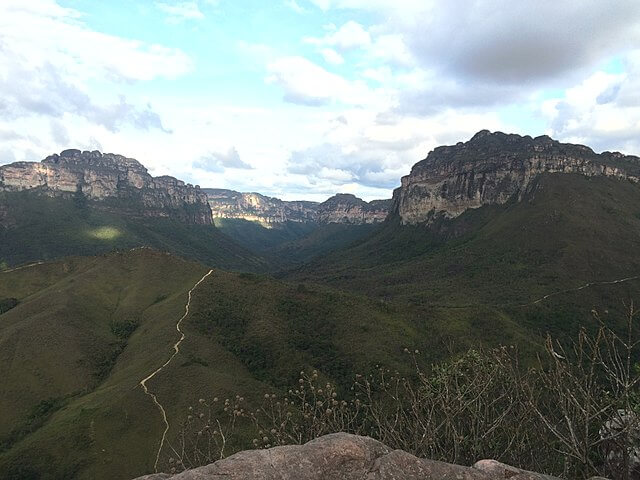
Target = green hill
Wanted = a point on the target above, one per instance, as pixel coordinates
(570, 230)
(292, 243)
(86, 331)
(34, 228)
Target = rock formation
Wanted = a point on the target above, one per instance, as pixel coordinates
(493, 168)
(101, 177)
(346, 208)
(342, 456)
(257, 207)
(341, 208)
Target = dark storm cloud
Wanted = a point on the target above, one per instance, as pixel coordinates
(522, 42)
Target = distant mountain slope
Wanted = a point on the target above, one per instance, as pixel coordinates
(96, 176)
(291, 233)
(85, 331)
(454, 241)
(341, 208)
(82, 203)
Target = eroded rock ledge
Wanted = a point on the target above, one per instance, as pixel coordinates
(342, 456)
(341, 208)
(493, 168)
(101, 176)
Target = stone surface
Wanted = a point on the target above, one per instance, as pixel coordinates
(105, 176)
(342, 456)
(493, 168)
(497, 470)
(341, 208)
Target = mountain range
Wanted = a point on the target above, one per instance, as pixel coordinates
(495, 241)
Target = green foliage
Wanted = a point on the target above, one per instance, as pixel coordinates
(43, 228)
(7, 304)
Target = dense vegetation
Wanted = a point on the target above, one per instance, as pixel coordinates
(576, 414)
(292, 243)
(34, 228)
(115, 315)
(78, 334)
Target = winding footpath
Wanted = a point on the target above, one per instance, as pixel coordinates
(22, 267)
(577, 289)
(176, 350)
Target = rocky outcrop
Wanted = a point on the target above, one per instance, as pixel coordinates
(347, 208)
(493, 168)
(341, 456)
(100, 177)
(257, 207)
(341, 208)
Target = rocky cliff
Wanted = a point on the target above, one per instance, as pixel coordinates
(103, 177)
(341, 208)
(341, 456)
(257, 207)
(493, 168)
(347, 208)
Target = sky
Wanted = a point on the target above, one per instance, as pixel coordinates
(302, 99)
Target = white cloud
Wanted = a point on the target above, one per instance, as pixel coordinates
(306, 83)
(331, 56)
(349, 36)
(40, 32)
(220, 161)
(295, 6)
(602, 111)
(181, 11)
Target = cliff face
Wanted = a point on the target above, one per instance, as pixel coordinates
(257, 207)
(346, 208)
(101, 177)
(493, 168)
(341, 208)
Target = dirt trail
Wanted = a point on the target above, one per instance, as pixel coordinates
(22, 267)
(176, 350)
(577, 289)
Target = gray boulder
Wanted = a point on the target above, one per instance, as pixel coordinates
(341, 456)
(338, 456)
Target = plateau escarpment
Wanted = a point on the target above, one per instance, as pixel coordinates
(257, 207)
(103, 177)
(341, 208)
(493, 168)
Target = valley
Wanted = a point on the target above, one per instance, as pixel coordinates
(129, 299)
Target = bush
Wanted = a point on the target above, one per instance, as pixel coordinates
(575, 414)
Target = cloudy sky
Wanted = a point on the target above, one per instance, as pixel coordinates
(306, 98)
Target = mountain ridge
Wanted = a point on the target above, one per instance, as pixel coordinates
(106, 176)
(252, 206)
(492, 168)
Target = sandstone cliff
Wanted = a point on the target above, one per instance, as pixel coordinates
(102, 177)
(341, 208)
(257, 207)
(347, 208)
(493, 168)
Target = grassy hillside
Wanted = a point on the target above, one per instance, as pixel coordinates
(85, 331)
(34, 228)
(257, 237)
(292, 243)
(571, 230)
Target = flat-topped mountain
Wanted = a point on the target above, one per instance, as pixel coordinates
(341, 208)
(257, 207)
(100, 177)
(493, 168)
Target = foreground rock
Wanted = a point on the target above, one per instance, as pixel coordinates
(342, 456)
